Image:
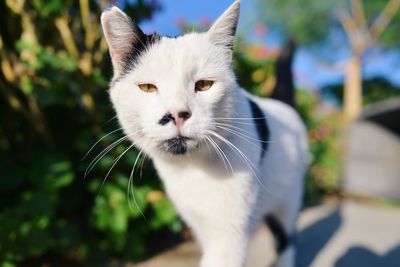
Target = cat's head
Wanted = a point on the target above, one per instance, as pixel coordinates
(168, 91)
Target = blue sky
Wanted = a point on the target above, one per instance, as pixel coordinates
(312, 71)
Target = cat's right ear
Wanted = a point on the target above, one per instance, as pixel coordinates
(122, 35)
(223, 31)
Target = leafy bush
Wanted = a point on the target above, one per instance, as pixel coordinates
(325, 144)
(53, 106)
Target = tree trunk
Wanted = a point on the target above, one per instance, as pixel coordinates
(353, 88)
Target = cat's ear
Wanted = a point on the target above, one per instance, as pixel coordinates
(122, 36)
(223, 31)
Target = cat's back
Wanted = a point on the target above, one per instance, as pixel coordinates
(285, 161)
(282, 113)
(287, 130)
(279, 115)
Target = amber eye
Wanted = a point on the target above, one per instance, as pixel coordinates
(148, 87)
(203, 85)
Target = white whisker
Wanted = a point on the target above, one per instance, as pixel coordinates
(244, 137)
(247, 160)
(87, 153)
(108, 121)
(237, 122)
(102, 154)
(130, 189)
(245, 134)
(112, 166)
(220, 153)
(232, 126)
(141, 166)
(234, 118)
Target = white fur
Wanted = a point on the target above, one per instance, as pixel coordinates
(222, 202)
(120, 33)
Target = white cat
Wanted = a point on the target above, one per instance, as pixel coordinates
(228, 160)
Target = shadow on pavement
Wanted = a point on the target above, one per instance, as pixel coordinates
(313, 238)
(361, 256)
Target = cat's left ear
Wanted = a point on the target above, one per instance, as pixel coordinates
(223, 31)
(123, 36)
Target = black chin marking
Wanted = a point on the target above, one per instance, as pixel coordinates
(177, 145)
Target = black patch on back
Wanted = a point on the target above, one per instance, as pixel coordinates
(261, 126)
(281, 237)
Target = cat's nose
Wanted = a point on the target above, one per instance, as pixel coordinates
(179, 117)
(184, 115)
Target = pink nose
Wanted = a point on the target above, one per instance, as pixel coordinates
(180, 117)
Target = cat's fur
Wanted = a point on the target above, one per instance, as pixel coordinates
(223, 202)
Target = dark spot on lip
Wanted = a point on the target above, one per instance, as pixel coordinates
(177, 145)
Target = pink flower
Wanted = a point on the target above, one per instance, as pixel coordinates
(205, 22)
(180, 22)
(260, 30)
(261, 51)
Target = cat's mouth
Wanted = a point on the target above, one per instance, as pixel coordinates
(179, 145)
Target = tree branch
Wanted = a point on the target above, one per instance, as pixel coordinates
(87, 25)
(384, 18)
(356, 39)
(6, 66)
(66, 35)
(357, 9)
(13, 101)
(85, 62)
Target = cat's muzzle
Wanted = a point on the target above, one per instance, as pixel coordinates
(177, 145)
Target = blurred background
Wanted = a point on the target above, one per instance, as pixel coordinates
(66, 203)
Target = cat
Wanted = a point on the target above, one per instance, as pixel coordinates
(228, 160)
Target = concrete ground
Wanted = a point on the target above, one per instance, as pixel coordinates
(349, 234)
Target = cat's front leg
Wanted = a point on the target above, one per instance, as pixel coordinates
(225, 249)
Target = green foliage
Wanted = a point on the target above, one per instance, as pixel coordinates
(46, 9)
(53, 105)
(310, 22)
(253, 73)
(306, 21)
(323, 176)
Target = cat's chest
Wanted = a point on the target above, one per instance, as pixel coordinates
(190, 184)
(197, 192)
